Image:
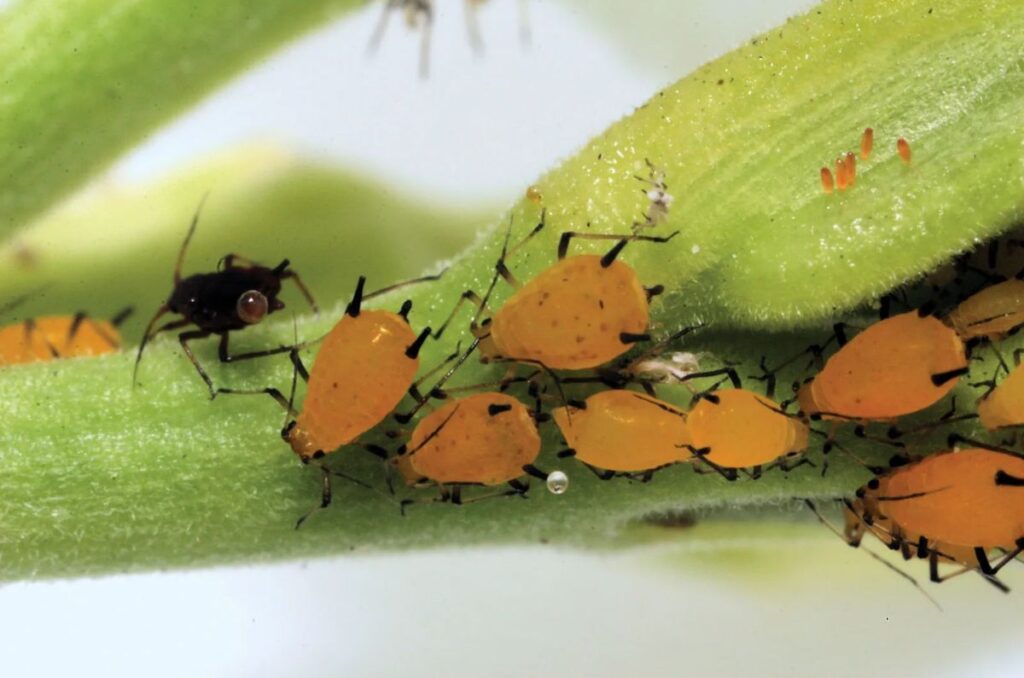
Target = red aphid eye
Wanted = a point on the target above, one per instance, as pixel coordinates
(252, 307)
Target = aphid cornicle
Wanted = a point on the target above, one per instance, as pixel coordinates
(897, 366)
(240, 293)
(969, 502)
(366, 364)
(579, 313)
(623, 431)
(734, 429)
(482, 439)
(51, 337)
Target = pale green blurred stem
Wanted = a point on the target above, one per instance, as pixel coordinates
(84, 80)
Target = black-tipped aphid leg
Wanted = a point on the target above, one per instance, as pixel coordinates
(325, 496)
(616, 250)
(767, 376)
(501, 270)
(839, 533)
(700, 458)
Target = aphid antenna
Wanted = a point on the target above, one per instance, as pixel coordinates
(179, 264)
(659, 347)
(433, 434)
(406, 283)
(827, 523)
(955, 438)
(149, 334)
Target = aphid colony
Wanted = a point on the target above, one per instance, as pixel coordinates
(581, 363)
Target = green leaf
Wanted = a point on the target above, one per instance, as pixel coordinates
(83, 80)
(98, 477)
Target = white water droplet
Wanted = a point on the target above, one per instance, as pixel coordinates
(557, 482)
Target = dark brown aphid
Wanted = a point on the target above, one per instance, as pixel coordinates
(238, 294)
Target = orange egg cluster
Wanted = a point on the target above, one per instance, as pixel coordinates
(845, 174)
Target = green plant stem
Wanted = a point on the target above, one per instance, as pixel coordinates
(98, 477)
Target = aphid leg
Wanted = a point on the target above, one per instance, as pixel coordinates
(289, 274)
(270, 391)
(936, 577)
(950, 417)
(616, 250)
(437, 390)
(426, 11)
(473, 27)
(524, 23)
(793, 461)
(325, 496)
(600, 473)
(729, 372)
(382, 24)
(414, 389)
(225, 357)
(824, 521)
(500, 270)
(470, 296)
(518, 489)
(186, 337)
(701, 455)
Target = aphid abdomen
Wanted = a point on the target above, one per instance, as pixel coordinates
(743, 429)
(625, 431)
(572, 315)
(359, 376)
(992, 312)
(897, 366)
(484, 439)
(1005, 405)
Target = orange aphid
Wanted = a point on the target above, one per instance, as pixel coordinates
(950, 504)
(482, 439)
(736, 428)
(572, 316)
(827, 182)
(579, 313)
(867, 141)
(534, 195)
(897, 366)
(624, 431)
(903, 148)
(1004, 405)
(53, 337)
(992, 312)
(365, 366)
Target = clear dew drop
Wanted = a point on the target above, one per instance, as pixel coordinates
(557, 482)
